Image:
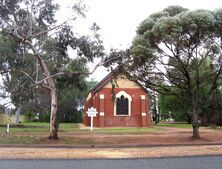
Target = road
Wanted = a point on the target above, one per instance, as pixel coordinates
(204, 162)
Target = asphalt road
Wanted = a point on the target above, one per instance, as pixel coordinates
(211, 162)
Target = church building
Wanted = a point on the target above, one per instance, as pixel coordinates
(128, 107)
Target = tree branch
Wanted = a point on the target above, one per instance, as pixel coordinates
(53, 28)
(101, 63)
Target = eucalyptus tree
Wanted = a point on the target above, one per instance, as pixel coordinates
(32, 27)
(171, 50)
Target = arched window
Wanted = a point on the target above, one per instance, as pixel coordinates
(122, 106)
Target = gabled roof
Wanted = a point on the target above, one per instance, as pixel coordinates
(106, 80)
(102, 83)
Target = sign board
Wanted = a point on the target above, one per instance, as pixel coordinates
(91, 113)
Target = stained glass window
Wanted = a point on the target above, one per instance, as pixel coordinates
(122, 106)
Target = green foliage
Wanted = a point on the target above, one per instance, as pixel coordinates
(44, 117)
(145, 25)
(211, 110)
(178, 52)
(174, 10)
(30, 36)
(178, 106)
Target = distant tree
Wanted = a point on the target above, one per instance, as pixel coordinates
(33, 29)
(179, 106)
(72, 92)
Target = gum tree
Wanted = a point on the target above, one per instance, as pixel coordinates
(171, 50)
(32, 27)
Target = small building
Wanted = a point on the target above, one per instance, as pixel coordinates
(126, 105)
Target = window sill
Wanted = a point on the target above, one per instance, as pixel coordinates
(118, 115)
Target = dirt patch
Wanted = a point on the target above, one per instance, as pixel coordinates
(47, 141)
(168, 137)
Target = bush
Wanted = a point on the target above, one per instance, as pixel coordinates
(72, 116)
(44, 117)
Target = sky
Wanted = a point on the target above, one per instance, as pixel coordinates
(118, 19)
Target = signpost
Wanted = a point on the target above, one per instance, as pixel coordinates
(91, 113)
(7, 128)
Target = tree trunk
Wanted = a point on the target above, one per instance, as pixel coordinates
(53, 117)
(195, 119)
(53, 93)
(195, 126)
(156, 112)
(17, 115)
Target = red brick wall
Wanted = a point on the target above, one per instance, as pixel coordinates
(135, 120)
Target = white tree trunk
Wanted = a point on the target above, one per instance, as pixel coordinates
(17, 115)
(53, 93)
(53, 117)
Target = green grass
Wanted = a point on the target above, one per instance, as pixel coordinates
(64, 127)
(16, 134)
(38, 127)
(37, 133)
(176, 125)
(9, 139)
(30, 127)
(35, 124)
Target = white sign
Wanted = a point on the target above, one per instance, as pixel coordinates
(92, 113)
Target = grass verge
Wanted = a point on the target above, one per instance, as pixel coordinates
(176, 125)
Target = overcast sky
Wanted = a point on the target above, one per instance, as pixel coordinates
(118, 19)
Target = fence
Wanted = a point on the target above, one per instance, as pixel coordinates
(10, 118)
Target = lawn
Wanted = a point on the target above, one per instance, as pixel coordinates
(12, 139)
(176, 125)
(38, 127)
(70, 134)
(31, 132)
(41, 127)
(37, 133)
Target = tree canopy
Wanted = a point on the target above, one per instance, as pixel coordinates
(34, 50)
(180, 49)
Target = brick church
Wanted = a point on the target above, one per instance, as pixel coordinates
(129, 107)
